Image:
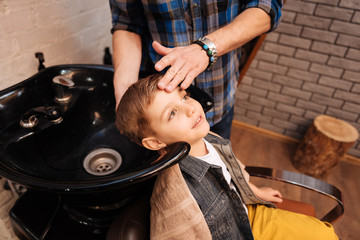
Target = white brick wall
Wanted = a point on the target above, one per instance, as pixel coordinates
(66, 31)
(309, 66)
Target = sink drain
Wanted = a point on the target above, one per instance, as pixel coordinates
(102, 161)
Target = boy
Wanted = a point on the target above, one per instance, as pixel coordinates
(208, 194)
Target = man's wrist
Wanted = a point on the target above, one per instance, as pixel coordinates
(210, 49)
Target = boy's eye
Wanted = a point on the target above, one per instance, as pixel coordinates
(172, 114)
(186, 97)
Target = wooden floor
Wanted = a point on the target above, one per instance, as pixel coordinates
(258, 147)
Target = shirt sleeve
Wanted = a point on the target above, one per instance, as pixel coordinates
(271, 7)
(127, 15)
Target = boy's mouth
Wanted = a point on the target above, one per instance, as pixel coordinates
(198, 122)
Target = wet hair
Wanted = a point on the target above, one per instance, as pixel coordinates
(130, 114)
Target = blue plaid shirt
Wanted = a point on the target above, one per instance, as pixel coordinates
(178, 23)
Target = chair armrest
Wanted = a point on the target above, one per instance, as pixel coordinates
(304, 181)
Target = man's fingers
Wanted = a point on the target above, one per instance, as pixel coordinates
(163, 63)
(184, 76)
(178, 78)
(172, 78)
(184, 65)
(188, 80)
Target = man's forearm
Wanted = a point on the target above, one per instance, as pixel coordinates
(126, 60)
(248, 25)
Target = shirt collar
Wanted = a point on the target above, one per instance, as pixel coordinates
(195, 167)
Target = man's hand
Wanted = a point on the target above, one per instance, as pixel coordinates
(185, 64)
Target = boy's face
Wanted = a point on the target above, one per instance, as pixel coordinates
(174, 117)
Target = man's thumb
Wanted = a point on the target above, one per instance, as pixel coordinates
(160, 49)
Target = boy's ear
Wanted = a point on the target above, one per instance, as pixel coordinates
(152, 143)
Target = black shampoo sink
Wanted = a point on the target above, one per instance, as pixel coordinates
(72, 147)
(58, 139)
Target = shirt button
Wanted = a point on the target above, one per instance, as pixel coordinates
(243, 219)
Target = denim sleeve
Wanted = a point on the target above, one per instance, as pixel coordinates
(271, 7)
(127, 15)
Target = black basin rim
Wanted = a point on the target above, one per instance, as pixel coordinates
(113, 181)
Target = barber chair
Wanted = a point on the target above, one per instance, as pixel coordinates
(134, 221)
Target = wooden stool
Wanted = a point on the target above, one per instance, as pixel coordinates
(323, 145)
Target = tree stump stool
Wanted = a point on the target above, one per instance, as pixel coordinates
(323, 145)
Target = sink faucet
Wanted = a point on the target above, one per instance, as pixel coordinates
(62, 84)
(38, 115)
(44, 116)
(31, 122)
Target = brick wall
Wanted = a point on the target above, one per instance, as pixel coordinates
(66, 31)
(309, 66)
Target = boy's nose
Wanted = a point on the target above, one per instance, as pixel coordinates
(190, 109)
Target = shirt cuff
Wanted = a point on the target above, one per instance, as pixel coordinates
(273, 8)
